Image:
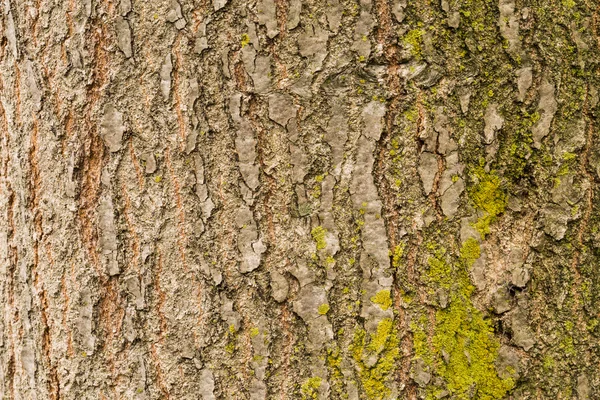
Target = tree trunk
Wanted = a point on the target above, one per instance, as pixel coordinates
(287, 199)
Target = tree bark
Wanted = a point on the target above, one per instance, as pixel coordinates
(287, 199)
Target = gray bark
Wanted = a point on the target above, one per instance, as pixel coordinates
(374, 199)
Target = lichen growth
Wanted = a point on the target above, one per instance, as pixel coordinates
(414, 38)
(230, 347)
(488, 196)
(245, 40)
(318, 235)
(420, 343)
(440, 272)
(470, 251)
(334, 366)
(461, 332)
(384, 344)
(310, 388)
(323, 309)
(383, 299)
(397, 255)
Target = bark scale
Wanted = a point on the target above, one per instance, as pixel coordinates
(374, 199)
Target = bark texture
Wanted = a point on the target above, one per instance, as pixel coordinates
(299, 199)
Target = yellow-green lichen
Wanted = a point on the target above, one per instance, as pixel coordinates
(316, 192)
(440, 272)
(420, 342)
(310, 388)
(245, 40)
(230, 347)
(414, 38)
(323, 309)
(258, 358)
(548, 363)
(470, 251)
(318, 235)
(397, 255)
(383, 343)
(488, 196)
(334, 366)
(254, 332)
(383, 299)
(463, 334)
(460, 331)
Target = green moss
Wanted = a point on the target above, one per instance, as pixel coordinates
(384, 343)
(470, 251)
(318, 235)
(310, 388)
(254, 332)
(323, 309)
(488, 196)
(383, 298)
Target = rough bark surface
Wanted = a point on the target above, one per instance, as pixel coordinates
(299, 199)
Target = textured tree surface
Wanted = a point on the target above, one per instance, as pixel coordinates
(291, 199)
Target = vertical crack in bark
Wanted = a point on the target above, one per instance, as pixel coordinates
(381, 165)
(66, 308)
(92, 163)
(11, 315)
(282, 7)
(135, 247)
(181, 238)
(287, 335)
(17, 94)
(136, 166)
(176, 87)
(585, 169)
(35, 189)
